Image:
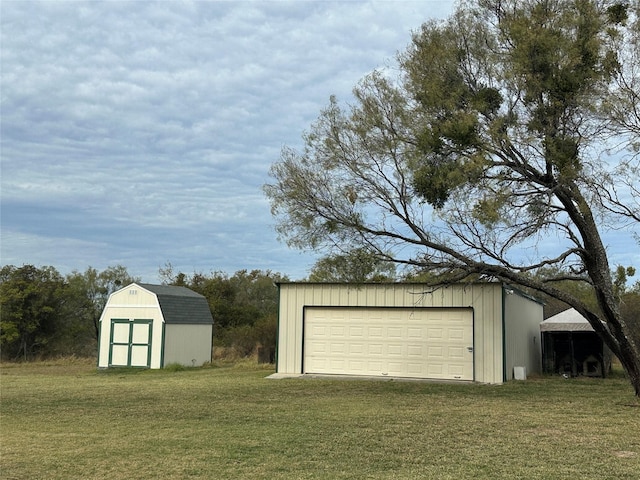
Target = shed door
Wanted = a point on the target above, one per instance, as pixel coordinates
(130, 344)
(397, 342)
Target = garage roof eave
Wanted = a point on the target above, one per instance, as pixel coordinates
(356, 284)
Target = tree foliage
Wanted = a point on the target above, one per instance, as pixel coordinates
(501, 148)
(32, 305)
(92, 288)
(44, 313)
(356, 266)
(244, 305)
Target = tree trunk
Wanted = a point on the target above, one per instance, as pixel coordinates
(619, 337)
(631, 364)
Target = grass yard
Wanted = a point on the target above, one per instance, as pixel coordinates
(68, 421)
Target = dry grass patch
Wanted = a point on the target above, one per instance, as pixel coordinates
(233, 423)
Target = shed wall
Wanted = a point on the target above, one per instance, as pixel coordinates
(485, 299)
(188, 345)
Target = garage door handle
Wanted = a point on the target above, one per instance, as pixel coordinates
(470, 349)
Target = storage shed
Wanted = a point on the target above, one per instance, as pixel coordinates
(151, 326)
(474, 332)
(570, 346)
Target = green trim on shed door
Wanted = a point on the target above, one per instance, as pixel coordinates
(129, 344)
(149, 342)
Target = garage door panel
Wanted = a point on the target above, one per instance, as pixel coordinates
(415, 351)
(415, 369)
(335, 364)
(356, 365)
(402, 342)
(396, 369)
(434, 334)
(415, 333)
(394, 332)
(317, 348)
(435, 352)
(455, 353)
(319, 330)
(375, 332)
(317, 364)
(456, 334)
(337, 331)
(356, 332)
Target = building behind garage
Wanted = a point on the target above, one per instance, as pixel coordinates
(475, 332)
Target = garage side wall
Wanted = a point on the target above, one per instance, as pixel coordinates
(484, 299)
(522, 317)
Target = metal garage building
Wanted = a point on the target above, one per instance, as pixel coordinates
(151, 326)
(475, 332)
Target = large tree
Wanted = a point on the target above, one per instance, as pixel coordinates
(503, 146)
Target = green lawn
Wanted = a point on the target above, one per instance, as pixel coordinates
(66, 421)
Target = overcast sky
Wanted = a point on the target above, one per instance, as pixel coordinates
(140, 133)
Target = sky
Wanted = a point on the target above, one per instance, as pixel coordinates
(141, 133)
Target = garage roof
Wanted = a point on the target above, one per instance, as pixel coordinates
(568, 321)
(181, 305)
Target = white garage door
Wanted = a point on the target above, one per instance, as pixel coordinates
(397, 342)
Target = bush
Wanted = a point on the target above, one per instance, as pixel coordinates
(243, 340)
(174, 367)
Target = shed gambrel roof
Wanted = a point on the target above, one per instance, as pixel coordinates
(181, 305)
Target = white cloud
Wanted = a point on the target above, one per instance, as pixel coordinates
(142, 132)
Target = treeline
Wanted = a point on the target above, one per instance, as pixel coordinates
(46, 314)
(244, 306)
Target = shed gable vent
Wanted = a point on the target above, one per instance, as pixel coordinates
(133, 292)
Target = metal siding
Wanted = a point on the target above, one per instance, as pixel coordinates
(485, 299)
(188, 345)
(497, 343)
(522, 333)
